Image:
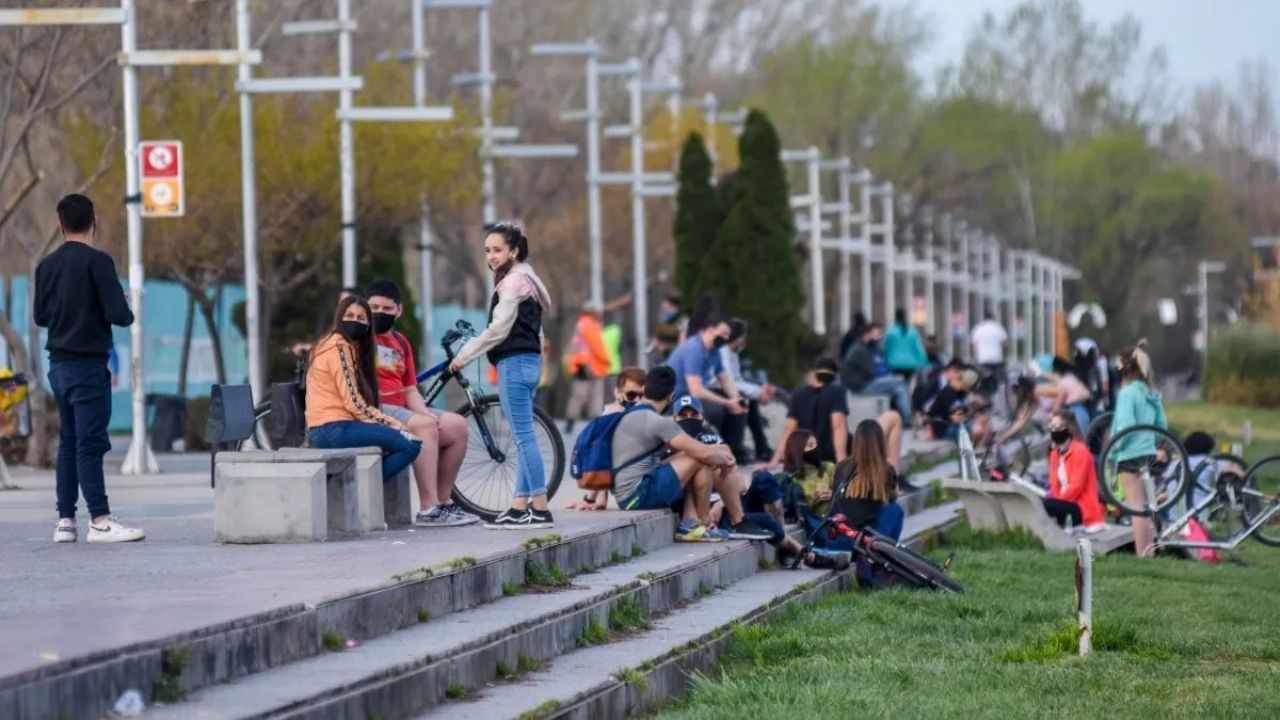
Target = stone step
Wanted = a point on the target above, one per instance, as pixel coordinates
(622, 678)
(408, 671)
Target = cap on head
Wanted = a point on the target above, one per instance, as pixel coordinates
(687, 401)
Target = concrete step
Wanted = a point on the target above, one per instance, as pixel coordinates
(622, 678)
(405, 672)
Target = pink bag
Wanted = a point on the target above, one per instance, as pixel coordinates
(1193, 531)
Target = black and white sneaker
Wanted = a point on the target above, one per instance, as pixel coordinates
(748, 530)
(539, 519)
(509, 519)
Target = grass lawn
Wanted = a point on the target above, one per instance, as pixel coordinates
(1172, 638)
(1225, 423)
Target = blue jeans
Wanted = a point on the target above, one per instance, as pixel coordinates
(1081, 411)
(518, 377)
(896, 388)
(83, 393)
(398, 451)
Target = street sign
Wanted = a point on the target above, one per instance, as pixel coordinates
(163, 192)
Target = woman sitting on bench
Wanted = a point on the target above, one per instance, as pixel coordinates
(1073, 478)
(342, 393)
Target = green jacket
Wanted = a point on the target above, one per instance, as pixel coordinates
(1137, 404)
(612, 334)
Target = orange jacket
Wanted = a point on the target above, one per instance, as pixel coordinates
(589, 350)
(1081, 487)
(331, 387)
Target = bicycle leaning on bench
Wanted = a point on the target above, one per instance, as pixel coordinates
(488, 473)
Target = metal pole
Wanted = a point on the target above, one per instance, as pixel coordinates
(638, 229)
(865, 241)
(1028, 306)
(930, 270)
(709, 107)
(846, 259)
(1084, 594)
(966, 283)
(489, 186)
(594, 231)
(1010, 276)
(249, 207)
(817, 291)
(346, 148)
(1203, 291)
(890, 291)
(948, 295)
(139, 459)
(426, 274)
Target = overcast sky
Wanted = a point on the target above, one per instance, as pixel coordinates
(1204, 39)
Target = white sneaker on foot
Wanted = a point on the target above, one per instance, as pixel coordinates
(438, 516)
(462, 516)
(112, 531)
(65, 533)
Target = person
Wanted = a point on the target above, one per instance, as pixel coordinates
(1137, 403)
(696, 364)
(903, 349)
(611, 333)
(988, 341)
(1076, 396)
(854, 333)
(861, 374)
(801, 462)
(669, 331)
(443, 434)
(1073, 476)
(78, 298)
(949, 409)
(343, 409)
(1091, 365)
(513, 342)
(755, 395)
(866, 484)
(628, 390)
(644, 481)
(589, 361)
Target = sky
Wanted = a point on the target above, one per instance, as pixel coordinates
(1205, 39)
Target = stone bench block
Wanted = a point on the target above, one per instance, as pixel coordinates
(370, 507)
(866, 407)
(270, 502)
(397, 499)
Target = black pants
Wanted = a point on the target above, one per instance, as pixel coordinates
(755, 421)
(83, 393)
(733, 428)
(1060, 510)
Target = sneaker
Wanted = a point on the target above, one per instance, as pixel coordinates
(722, 533)
(65, 533)
(112, 531)
(538, 520)
(463, 517)
(530, 519)
(748, 530)
(695, 533)
(509, 518)
(438, 516)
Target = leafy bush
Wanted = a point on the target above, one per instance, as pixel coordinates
(1242, 366)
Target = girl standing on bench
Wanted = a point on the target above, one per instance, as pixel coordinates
(1073, 477)
(342, 392)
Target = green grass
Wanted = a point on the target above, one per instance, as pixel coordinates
(333, 642)
(1173, 639)
(635, 677)
(423, 614)
(596, 633)
(537, 542)
(1226, 423)
(538, 575)
(455, 692)
(528, 664)
(465, 561)
(628, 616)
(510, 589)
(542, 710)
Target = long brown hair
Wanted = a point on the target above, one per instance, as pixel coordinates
(366, 349)
(513, 235)
(793, 455)
(872, 474)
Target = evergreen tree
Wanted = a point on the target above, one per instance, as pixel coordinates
(697, 220)
(752, 268)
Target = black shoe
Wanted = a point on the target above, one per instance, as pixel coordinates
(747, 530)
(538, 520)
(764, 455)
(906, 486)
(508, 520)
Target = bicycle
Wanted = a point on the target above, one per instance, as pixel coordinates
(1156, 461)
(487, 476)
(907, 564)
(1098, 434)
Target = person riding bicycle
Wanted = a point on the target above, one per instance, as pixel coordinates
(513, 341)
(443, 434)
(1073, 477)
(342, 393)
(1137, 403)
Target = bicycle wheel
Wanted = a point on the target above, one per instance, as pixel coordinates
(485, 484)
(917, 568)
(1140, 461)
(261, 428)
(1261, 491)
(1205, 476)
(1097, 435)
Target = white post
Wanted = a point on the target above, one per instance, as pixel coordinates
(846, 260)
(249, 208)
(1084, 594)
(426, 273)
(639, 259)
(139, 459)
(817, 291)
(966, 287)
(489, 185)
(948, 295)
(346, 149)
(930, 273)
(1028, 305)
(864, 266)
(1010, 281)
(709, 107)
(890, 289)
(594, 231)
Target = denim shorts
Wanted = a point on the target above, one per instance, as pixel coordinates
(658, 489)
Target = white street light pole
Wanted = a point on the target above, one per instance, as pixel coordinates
(966, 281)
(1009, 278)
(249, 208)
(346, 148)
(1203, 269)
(930, 275)
(812, 201)
(949, 274)
(426, 237)
(848, 244)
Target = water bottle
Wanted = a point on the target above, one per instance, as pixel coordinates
(129, 705)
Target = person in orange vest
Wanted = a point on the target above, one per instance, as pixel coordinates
(588, 364)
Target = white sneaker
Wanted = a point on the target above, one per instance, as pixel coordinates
(462, 516)
(65, 533)
(112, 531)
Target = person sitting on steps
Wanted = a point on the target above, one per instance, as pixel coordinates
(862, 373)
(628, 390)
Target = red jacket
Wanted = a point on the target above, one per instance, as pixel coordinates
(589, 350)
(1081, 487)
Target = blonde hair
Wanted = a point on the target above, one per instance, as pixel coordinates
(1135, 364)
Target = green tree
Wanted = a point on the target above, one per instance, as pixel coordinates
(754, 274)
(697, 218)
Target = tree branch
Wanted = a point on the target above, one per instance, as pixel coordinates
(75, 90)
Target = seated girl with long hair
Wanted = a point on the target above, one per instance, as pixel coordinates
(865, 485)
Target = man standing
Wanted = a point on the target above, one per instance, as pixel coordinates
(988, 341)
(443, 434)
(589, 364)
(79, 298)
(755, 394)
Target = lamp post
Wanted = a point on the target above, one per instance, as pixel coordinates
(1201, 291)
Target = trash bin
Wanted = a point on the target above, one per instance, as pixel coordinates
(168, 420)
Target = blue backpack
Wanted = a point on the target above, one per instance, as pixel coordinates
(592, 461)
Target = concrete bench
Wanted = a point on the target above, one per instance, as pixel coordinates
(305, 495)
(982, 510)
(867, 407)
(1020, 507)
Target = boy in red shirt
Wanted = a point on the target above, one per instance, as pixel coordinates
(443, 434)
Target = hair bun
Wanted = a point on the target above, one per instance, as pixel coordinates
(1141, 344)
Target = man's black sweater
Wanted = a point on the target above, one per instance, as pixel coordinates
(79, 298)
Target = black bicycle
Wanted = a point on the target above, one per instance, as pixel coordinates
(910, 566)
(487, 476)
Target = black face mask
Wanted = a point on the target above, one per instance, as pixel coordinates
(383, 322)
(813, 457)
(691, 426)
(627, 403)
(719, 341)
(354, 330)
(1060, 437)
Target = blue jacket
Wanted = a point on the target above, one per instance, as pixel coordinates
(903, 349)
(1137, 404)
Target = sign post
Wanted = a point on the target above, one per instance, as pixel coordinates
(163, 185)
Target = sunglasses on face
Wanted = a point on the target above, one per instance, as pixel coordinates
(632, 396)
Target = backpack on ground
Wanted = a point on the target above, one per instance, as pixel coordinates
(592, 461)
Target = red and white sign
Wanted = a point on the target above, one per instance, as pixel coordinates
(163, 191)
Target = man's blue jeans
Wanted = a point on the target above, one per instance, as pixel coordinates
(398, 451)
(518, 377)
(83, 393)
(896, 388)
